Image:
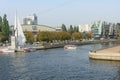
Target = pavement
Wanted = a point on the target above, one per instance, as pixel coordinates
(115, 49)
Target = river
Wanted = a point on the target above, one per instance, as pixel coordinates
(58, 64)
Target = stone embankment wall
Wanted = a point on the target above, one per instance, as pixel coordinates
(59, 44)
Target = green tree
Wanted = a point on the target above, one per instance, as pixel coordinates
(88, 35)
(76, 36)
(5, 27)
(29, 37)
(42, 36)
(64, 35)
(64, 28)
(76, 28)
(0, 23)
(71, 30)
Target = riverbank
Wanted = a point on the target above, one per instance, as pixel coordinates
(60, 44)
(112, 53)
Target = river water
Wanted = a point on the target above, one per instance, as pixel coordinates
(58, 64)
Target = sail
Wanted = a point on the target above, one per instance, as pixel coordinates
(19, 35)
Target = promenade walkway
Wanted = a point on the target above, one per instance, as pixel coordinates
(112, 53)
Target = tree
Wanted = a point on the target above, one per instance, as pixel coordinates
(64, 28)
(29, 37)
(42, 36)
(5, 27)
(76, 35)
(0, 23)
(88, 35)
(64, 35)
(76, 29)
(71, 30)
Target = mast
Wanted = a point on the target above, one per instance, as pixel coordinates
(16, 30)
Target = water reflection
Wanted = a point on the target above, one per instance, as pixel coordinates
(17, 66)
(111, 67)
(103, 62)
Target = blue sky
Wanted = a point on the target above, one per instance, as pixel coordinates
(55, 12)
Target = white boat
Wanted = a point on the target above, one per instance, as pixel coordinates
(6, 50)
(70, 47)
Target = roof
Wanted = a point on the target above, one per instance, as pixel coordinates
(37, 28)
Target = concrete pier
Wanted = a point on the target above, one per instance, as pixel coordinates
(112, 53)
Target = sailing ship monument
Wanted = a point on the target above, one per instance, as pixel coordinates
(17, 40)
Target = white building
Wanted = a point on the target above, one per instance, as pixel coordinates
(84, 28)
(30, 20)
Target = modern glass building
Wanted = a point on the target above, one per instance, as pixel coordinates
(102, 29)
(96, 29)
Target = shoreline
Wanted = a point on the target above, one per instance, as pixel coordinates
(62, 44)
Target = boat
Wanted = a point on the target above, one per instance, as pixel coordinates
(70, 47)
(6, 50)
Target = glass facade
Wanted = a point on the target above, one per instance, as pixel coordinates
(102, 29)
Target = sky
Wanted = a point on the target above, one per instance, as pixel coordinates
(57, 12)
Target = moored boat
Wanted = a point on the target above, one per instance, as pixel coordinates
(25, 49)
(70, 47)
(6, 50)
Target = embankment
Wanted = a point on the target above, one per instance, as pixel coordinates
(112, 53)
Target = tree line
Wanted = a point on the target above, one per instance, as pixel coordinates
(71, 33)
(58, 36)
(4, 28)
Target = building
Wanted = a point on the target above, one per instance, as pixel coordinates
(30, 24)
(84, 28)
(30, 20)
(102, 29)
(96, 29)
(58, 29)
(37, 28)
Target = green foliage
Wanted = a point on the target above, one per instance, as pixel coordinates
(76, 28)
(29, 37)
(0, 23)
(71, 30)
(42, 36)
(50, 36)
(5, 27)
(64, 35)
(64, 28)
(76, 36)
(88, 35)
